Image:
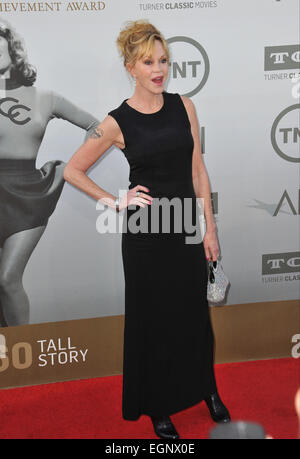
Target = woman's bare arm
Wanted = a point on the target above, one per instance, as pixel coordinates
(106, 134)
(200, 176)
(201, 184)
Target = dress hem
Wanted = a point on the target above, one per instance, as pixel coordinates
(172, 412)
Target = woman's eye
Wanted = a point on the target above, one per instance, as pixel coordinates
(148, 62)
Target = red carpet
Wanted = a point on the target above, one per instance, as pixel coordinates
(260, 391)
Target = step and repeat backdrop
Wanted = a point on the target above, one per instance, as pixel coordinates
(62, 289)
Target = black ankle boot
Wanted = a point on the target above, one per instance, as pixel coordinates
(218, 410)
(164, 428)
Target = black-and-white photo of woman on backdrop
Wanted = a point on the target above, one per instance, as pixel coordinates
(28, 196)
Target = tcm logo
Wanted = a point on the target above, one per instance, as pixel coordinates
(285, 134)
(282, 57)
(279, 263)
(189, 66)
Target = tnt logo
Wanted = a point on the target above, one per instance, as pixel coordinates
(285, 134)
(189, 66)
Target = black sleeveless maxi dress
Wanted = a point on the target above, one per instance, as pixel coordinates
(168, 335)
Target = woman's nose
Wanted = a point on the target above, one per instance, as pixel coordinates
(158, 66)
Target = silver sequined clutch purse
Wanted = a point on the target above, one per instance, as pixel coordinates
(217, 282)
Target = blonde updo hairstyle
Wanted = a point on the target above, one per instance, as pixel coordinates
(137, 40)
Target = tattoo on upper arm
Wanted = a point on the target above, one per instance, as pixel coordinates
(97, 133)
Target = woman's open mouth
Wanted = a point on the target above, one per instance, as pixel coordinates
(158, 80)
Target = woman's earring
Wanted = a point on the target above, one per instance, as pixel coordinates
(134, 81)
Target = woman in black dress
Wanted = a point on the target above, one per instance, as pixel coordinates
(168, 337)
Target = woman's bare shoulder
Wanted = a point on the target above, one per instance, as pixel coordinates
(188, 103)
(113, 130)
(190, 109)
